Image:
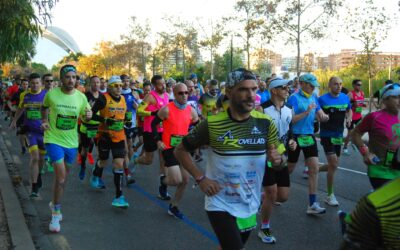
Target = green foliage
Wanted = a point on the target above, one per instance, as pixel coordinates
(175, 73)
(20, 28)
(222, 64)
(39, 68)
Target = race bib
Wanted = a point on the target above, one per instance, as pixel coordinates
(247, 224)
(33, 114)
(66, 122)
(117, 126)
(175, 140)
(91, 133)
(305, 141)
(337, 140)
(389, 157)
(358, 109)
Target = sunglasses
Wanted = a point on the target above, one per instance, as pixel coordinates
(49, 81)
(183, 93)
(283, 87)
(358, 84)
(116, 85)
(196, 87)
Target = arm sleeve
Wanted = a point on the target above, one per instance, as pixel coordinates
(141, 109)
(154, 124)
(98, 105)
(197, 137)
(363, 229)
(21, 100)
(273, 134)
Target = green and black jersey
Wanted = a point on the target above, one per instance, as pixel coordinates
(237, 159)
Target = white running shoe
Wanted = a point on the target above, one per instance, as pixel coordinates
(346, 151)
(331, 200)
(266, 236)
(54, 225)
(315, 209)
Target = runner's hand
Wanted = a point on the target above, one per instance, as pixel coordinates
(348, 123)
(273, 155)
(324, 117)
(311, 107)
(160, 145)
(88, 114)
(45, 126)
(292, 145)
(209, 187)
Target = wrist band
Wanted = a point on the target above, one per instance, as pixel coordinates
(198, 180)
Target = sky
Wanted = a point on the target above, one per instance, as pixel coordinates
(90, 21)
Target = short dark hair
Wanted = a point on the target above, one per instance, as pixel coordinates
(355, 81)
(155, 78)
(90, 79)
(33, 76)
(146, 84)
(214, 82)
(46, 75)
(123, 77)
(388, 82)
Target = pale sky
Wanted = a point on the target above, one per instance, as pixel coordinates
(90, 21)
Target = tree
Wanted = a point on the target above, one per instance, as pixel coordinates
(369, 25)
(299, 19)
(252, 23)
(223, 63)
(39, 68)
(20, 28)
(212, 41)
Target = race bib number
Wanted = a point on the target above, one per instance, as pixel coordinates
(305, 141)
(337, 140)
(33, 114)
(358, 109)
(66, 122)
(91, 133)
(117, 126)
(175, 140)
(246, 224)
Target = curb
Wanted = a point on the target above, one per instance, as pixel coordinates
(19, 232)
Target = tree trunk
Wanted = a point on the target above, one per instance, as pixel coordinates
(212, 64)
(298, 40)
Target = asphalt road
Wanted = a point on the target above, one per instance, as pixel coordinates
(90, 222)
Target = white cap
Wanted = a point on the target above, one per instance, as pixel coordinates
(277, 82)
(114, 79)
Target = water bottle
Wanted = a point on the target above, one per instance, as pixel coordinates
(342, 215)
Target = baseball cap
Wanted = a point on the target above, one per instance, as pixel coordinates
(277, 82)
(193, 76)
(390, 90)
(309, 78)
(114, 79)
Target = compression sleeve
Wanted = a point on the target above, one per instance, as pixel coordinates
(141, 109)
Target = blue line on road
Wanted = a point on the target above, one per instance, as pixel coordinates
(188, 222)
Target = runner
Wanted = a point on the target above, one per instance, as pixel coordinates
(60, 111)
(238, 140)
(30, 106)
(103, 85)
(337, 106)
(88, 130)
(112, 108)
(129, 127)
(197, 84)
(176, 118)
(306, 107)
(208, 101)
(148, 108)
(193, 100)
(276, 183)
(263, 92)
(382, 155)
(47, 82)
(357, 103)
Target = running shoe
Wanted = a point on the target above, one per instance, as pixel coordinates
(82, 173)
(162, 191)
(346, 151)
(266, 236)
(90, 158)
(97, 182)
(120, 202)
(54, 212)
(331, 200)
(34, 196)
(174, 211)
(305, 173)
(54, 225)
(315, 209)
(197, 158)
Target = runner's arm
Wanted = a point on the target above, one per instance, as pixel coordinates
(148, 99)
(161, 115)
(97, 106)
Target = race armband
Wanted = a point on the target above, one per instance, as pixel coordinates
(141, 109)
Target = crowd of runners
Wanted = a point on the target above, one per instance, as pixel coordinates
(249, 131)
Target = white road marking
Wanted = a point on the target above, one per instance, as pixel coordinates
(354, 171)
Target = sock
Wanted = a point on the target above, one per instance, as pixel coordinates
(57, 208)
(265, 224)
(35, 188)
(162, 177)
(98, 172)
(312, 198)
(39, 181)
(118, 182)
(330, 189)
(83, 161)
